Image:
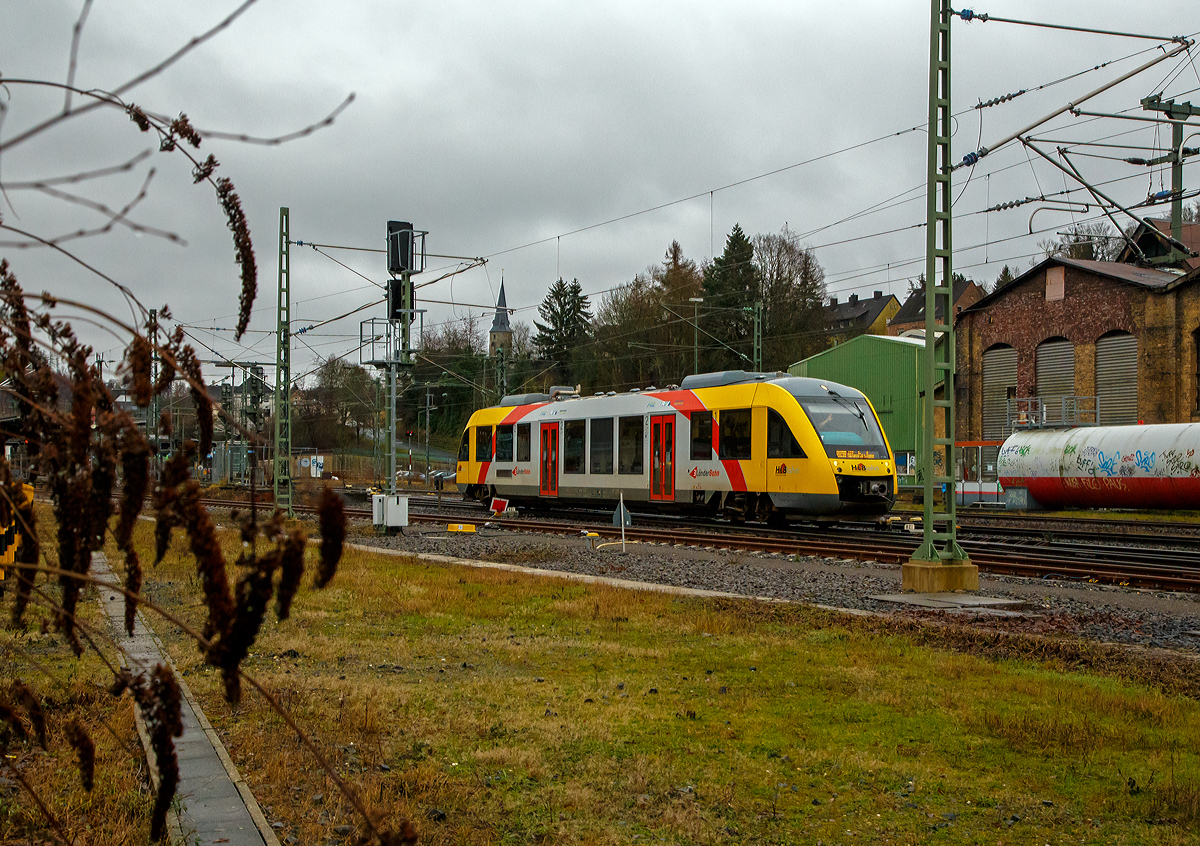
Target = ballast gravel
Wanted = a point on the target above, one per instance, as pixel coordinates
(1155, 619)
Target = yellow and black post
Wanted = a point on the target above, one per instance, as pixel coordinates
(11, 532)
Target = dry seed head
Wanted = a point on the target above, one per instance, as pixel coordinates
(78, 737)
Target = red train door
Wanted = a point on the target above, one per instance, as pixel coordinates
(549, 460)
(662, 457)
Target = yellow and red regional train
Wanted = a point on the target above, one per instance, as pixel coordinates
(760, 446)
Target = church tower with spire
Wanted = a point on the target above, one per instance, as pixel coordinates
(500, 335)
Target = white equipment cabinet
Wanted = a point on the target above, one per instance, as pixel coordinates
(389, 510)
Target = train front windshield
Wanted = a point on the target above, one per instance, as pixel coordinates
(846, 425)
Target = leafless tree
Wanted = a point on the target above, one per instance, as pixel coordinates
(793, 294)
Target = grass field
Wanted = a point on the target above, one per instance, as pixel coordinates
(494, 707)
(116, 812)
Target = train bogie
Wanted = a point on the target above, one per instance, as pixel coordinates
(752, 446)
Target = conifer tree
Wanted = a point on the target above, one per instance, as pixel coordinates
(730, 289)
(566, 316)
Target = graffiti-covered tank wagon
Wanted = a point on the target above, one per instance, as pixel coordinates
(1155, 467)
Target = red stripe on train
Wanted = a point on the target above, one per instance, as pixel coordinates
(733, 469)
(517, 413)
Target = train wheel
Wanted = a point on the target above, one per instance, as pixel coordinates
(764, 509)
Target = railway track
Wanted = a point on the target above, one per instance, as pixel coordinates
(1160, 561)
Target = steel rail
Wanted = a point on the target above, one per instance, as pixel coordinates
(1125, 566)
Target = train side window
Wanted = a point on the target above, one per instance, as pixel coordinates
(781, 443)
(574, 432)
(629, 448)
(483, 443)
(602, 445)
(702, 435)
(735, 434)
(523, 442)
(464, 446)
(504, 443)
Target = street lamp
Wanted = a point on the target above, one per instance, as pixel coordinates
(696, 333)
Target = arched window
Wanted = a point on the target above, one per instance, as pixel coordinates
(1117, 378)
(999, 384)
(1055, 374)
(1196, 354)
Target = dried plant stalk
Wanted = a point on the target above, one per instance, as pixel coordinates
(331, 517)
(78, 737)
(159, 698)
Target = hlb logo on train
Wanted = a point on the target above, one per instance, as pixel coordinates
(696, 472)
(784, 470)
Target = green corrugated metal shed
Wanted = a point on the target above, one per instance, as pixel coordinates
(888, 371)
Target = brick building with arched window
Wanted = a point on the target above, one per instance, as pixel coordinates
(1080, 334)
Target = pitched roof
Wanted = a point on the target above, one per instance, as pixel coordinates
(1160, 281)
(856, 311)
(913, 309)
(500, 324)
(1141, 276)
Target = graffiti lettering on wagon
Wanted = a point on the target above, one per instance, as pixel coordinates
(1176, 462)
(1085, 461)
(1144, 460)
(1107, 464)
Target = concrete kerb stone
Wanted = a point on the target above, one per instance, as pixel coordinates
(114, 609)
(627, 584)
(557, 574)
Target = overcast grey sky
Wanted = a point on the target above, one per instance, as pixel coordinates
(495, 126)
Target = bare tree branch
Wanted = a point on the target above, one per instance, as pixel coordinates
(137, 80)
(124, 167)
(75, 35)
(114, 217)
(279, 139)
(124, 289)
(50, 818)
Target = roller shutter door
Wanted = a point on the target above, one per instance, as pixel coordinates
(1116, 379)
(999, 375)
(1055, 368)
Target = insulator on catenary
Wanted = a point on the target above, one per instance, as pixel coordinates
(1012, 204)
(996, 101)
(1160, 196)
(971, 158)
(1134, 160)
(968, 15)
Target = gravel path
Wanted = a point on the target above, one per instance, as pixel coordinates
(1112, 614)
